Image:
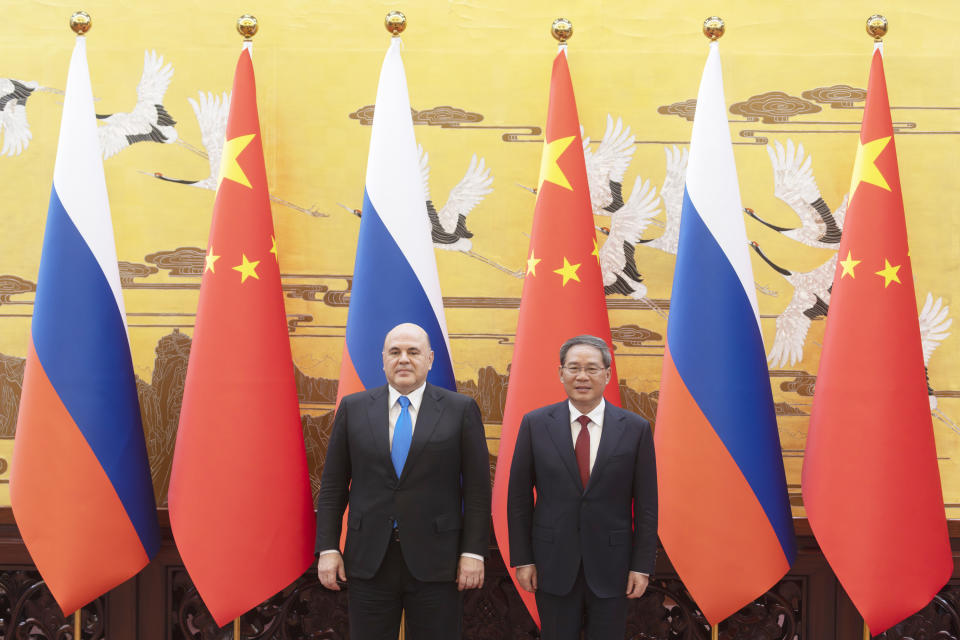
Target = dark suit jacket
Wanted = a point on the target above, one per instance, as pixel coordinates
(611, 527)
(441, 501)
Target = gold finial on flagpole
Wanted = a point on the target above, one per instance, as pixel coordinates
(713, 28)
(395, 22)
(877, 27)
(80, 22)
(247, 26)
(562, 30)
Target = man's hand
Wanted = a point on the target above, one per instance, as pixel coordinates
(469, 573)
(527, 577)
(636, 584)
(329, 568)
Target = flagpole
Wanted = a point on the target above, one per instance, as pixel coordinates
(395, 23)
(876, 28)
(714, 28)
(247, 27)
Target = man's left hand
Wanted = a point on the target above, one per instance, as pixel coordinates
(636, 584)
(469, 573)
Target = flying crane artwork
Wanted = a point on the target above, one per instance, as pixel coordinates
(149, 120)
(821, 228)
(448, 226)
(606, 167)
(13, 113)
(211, 112)
(634, 216)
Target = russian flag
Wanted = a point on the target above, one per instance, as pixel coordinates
(80, 482)
(725, 518)
(395, 274)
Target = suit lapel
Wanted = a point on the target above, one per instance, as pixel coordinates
(378, 419)
(428, 415)
(610, 435)
(559, 430)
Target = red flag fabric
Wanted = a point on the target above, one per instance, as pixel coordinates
(240, 504)
(562, 291)
(871, 486)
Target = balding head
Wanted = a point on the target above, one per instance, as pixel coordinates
(407, 328)
(407, 357)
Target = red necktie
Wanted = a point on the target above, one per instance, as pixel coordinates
(582, 450)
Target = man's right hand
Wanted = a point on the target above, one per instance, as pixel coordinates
(527, 577)
(329, 569)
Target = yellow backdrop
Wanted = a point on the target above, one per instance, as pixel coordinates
(478, 77)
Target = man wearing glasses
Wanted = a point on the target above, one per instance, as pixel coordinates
(589, 540)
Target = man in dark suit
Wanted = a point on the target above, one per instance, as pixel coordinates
(411, 460)
(589, 541)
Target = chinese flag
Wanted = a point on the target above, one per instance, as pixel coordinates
(240, 504)
(562, 291)
(871, 486)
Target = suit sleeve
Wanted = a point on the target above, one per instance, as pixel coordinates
(334, 485)
(645, 504)
(520, 498)
(475, 479)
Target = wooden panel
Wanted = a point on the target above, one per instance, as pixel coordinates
(161, 603)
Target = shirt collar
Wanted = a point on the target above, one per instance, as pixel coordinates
(596, 416)
(415, 396)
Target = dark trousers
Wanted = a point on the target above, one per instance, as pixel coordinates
(432, 609)
(562, 617)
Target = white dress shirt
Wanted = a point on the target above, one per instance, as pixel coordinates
(595, 428)
(415, 397)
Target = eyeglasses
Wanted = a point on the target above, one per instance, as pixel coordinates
(577, 370)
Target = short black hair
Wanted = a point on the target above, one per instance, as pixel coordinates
(590, 341)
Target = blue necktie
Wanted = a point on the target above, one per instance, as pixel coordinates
(402, 435)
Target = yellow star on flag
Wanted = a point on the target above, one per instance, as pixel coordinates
(568, 271)
(549, 169)
(889, 273)
(848, 266)
(273, 249)
(532, 263)
(865, 166)
(229, 167)
(596, 250)
(210, 260)
(247, 269)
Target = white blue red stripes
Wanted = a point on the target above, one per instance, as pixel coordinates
(395, 274)
(716, 346)
(716, 413)
(80, 338)
(712, 176)
(78, 173)
(80, 481)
